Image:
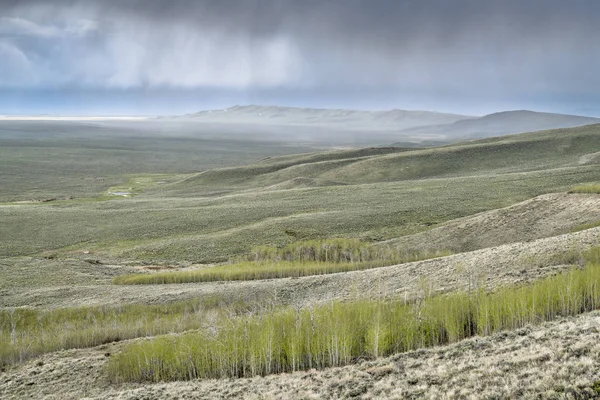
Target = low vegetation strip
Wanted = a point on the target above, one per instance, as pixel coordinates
(27, 333)
(584, 227)
(243, 272)
(593, 188)
(293, 261)
(339, 333)
(252, 271)
(328, 250)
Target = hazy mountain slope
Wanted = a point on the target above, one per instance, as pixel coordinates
(409, 126)
(504, 123)
(396, 119)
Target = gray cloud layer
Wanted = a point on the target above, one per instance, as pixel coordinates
(549, 47)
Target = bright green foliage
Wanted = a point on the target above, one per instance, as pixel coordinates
(338, 333)
(27, 333)
(243, 271)
(593, 188)
(315, 257)
(338, 251)
(330, 250)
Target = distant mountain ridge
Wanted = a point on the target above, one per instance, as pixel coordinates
(504, 123)
(403, 126)
(388, 119)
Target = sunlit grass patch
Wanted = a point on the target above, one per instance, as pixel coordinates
(306, 258)
(592, 188)
(27, 333)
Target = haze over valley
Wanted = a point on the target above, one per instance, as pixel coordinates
(277, 199)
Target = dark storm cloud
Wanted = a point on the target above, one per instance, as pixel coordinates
(541, 46)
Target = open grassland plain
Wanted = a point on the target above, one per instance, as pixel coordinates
(216, 229)
(54, 160)
(314, 262)
(215, 216)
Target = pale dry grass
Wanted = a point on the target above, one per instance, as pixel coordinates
(501, 265)
(543, 216)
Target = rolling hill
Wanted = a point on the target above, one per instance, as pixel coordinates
(373, 193)
(503, 123)
(517, 211)
(407, 127)
(510, 154)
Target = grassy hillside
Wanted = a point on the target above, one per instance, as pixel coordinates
(220, 214)
(337, 334)
(543, 216)
(517, 153)
(218, 228)
(304, 298)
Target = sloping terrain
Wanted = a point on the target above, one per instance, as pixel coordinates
(504, 123)
(516, 153)
(373, 194)
(301, 182)
(559, 359)
(503, 203)
(90, 284)
(543, 216)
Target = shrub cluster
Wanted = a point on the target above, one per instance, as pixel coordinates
(338, 333)
(27, 333)
(315, 257)
(592, 188)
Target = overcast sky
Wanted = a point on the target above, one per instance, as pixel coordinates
(177, 56)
